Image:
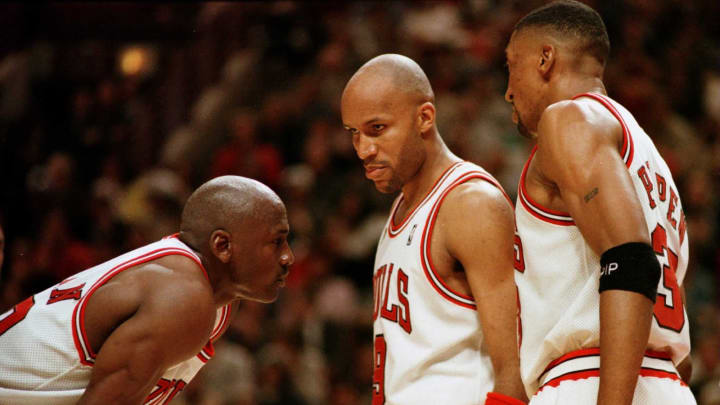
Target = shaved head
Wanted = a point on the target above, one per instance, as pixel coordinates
(226, 202)
(398, 72)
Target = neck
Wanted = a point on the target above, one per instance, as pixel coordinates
(439, 158)
(572, 85)
(220, 297)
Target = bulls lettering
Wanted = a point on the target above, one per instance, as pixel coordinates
(391, 296)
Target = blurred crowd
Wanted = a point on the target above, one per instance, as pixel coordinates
(110, 114)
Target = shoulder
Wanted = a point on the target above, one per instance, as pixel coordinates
(577, 121)
(180, 277)
(174, 284)
(473, 201)
(571, 130)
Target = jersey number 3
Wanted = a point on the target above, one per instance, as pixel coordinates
(670, 316)
(380, 351)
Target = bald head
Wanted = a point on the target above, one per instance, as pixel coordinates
(393, 72)
(225, 202)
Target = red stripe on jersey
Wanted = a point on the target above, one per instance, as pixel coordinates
(85, 352)
(584, 374)
(535, 209)
(207, 352)
(222, 325)
(426, 257)
(651, 372)
(595, 351)
(394, 230)
(575, 375)
(595, 372)
(628, 150)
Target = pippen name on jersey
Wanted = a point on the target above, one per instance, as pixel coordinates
(660, 190)
(392, 305)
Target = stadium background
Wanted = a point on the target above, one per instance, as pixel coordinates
(111, 113)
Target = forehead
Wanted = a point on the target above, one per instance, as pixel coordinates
(370, 97)
(271, 217)
(520, 42)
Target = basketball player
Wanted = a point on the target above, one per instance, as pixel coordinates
(601, 227)
(445, 316)
(136, 329)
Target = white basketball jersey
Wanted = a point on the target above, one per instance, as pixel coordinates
(427, 337)
(558, 288)
(45, 357)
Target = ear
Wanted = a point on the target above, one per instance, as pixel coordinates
(220, 245)
(426, 117)
(547, 60)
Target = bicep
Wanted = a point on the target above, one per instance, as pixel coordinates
(594, 184)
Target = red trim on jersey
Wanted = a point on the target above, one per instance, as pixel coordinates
(222, 325)
(595, 372)
(537, 210)
(85, 352)
(394, 230)
(177, 236)
(435, 280)
(207, 352)
(595, 351)
(584, 374)
(628, 149)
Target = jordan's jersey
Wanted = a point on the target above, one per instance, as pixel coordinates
(558, 287)
(45, 357)
(427, 336)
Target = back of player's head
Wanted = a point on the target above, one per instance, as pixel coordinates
(571, 18)
(225, 202)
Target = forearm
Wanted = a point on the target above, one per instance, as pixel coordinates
(507, 381)
(499, 318)
(624, 331)
(119, 388)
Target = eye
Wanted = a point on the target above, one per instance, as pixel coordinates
(351, 131)
(378, 127)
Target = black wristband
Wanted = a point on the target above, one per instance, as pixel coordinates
(630, 267)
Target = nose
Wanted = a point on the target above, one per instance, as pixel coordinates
(287, 258)
(364, 147)
(508, 95)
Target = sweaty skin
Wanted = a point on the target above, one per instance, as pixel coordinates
(153, 316)
(388, 108)
(578, 169)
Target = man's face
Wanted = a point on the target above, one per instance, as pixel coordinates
(524, 83)
(262, 256)
(384, 126)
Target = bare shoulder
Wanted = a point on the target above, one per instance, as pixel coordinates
(178, 280)
(581, 121)
(476, 202)
(169, 296)
(572, 130)
(172, 284)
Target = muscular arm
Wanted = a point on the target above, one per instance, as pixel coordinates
(478, 227)
(578, 150)
(170, 323)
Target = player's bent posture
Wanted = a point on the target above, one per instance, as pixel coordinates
(445, 315)
(137, 328)
(601, 227)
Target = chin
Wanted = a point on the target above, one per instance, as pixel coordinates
(386, 187)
